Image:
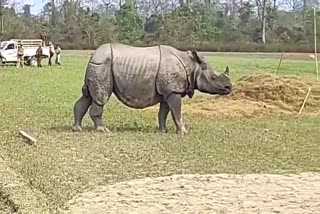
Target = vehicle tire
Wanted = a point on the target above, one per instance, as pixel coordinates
(33, 61)
(2, 62)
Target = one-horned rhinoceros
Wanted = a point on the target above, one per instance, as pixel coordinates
(144, 76)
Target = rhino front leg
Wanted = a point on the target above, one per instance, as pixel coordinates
(96, 112)
(174, 103)
(162, 116)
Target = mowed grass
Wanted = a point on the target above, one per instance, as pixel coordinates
(64, 163)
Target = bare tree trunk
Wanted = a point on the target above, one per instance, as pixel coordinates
(264, 22)
(262, 18)
(304, 16)
(264, 29)
(1, 17)
(231, 6)
(208, 4)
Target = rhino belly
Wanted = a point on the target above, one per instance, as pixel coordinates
(134, 71)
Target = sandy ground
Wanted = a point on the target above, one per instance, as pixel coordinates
(220, 193)
(4, 209)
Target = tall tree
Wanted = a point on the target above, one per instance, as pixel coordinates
(261, 4)
(3, 3)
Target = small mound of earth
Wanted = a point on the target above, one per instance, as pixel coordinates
(220, 193)
(285, 92)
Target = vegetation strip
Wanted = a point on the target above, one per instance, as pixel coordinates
(17, 196)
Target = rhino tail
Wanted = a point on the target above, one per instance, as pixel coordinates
(85, 90)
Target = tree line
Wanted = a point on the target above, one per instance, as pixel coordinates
(207, 25)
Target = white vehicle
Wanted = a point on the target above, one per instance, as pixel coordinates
(9, 50)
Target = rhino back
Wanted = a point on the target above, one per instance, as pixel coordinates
(134, 71)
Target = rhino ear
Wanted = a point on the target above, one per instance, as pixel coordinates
(227, 70)
(194, 55)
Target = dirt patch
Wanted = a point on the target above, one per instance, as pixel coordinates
(299, 56)
(221, 193)
(257, 95)
(231, 108)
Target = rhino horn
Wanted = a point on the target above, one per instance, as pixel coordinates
(227, 71)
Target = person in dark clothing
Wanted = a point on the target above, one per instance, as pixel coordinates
(39, 56)
(58, 55)
(20, 56)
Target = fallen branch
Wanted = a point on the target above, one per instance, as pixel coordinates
(28, 137)
(305, 100)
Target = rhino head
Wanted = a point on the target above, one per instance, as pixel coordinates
(207, 80)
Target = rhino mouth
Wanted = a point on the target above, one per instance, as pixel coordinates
(225, 91)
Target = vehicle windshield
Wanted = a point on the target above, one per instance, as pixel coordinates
(3, 44)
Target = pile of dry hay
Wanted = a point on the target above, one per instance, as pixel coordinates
(285, 92)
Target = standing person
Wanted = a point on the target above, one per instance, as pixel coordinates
(58, 52)
(39, 56)
(51, 53)
(20, 56)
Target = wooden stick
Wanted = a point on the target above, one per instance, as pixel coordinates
(24, 134)
(315, 41)
(279, 63)
(305, 100)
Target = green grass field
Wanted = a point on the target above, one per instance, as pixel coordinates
(64, 163)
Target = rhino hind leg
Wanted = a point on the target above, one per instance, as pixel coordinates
(95, 113)
(162, 116)
(174, 103)
(80, 109)
(101, 92)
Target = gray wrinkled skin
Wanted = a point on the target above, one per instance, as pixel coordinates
(144, 76)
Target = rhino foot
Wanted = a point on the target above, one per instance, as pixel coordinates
(162, 130)
(102, 129)
(76, 128)
(183, 131)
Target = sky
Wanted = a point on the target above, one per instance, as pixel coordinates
(36, 5)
